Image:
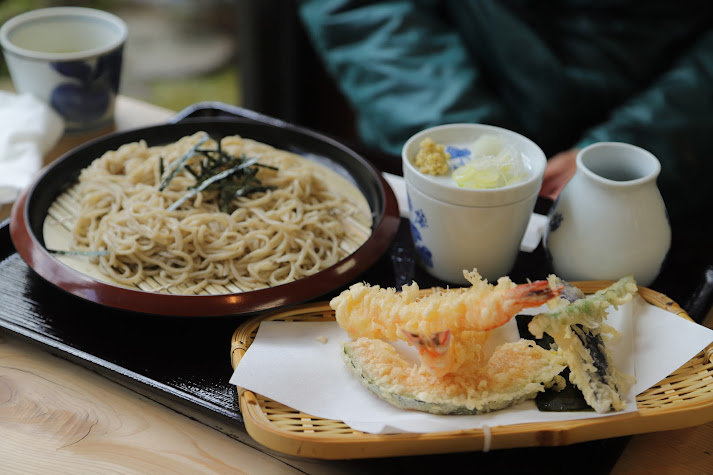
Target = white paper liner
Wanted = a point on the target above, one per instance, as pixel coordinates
(298, 364)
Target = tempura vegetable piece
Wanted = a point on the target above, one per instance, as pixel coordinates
(579, 331)
(447, 326)
(515, 372)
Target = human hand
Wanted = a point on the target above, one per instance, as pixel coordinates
(560, 168)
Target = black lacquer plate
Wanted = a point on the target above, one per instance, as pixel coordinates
(32, 207)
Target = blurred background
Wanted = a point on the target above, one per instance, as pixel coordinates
(178, 52)
(250, 53)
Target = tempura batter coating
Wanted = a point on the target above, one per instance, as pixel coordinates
(515, 372)
(450, 329)
(375, 312)
(580, 332)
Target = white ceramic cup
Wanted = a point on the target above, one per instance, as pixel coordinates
(456, 229)
(70, 58)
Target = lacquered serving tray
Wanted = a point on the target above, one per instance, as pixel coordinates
(182, 362)
(683, 399)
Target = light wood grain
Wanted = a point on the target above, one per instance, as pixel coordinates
(684, 451)
(56, 417)
(59, 418)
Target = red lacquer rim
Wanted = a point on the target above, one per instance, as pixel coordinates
(135, 300)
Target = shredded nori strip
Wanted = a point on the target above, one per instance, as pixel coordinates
(231, 175)
(178, 165)
(205, 183)
(79, 253)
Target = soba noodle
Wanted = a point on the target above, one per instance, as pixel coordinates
(272, 237)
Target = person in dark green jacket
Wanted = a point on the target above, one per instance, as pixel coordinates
(565, 73)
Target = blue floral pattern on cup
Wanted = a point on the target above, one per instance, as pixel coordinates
(86, 98)
(555, 221)
(420, 218)
(459, 156)
(415, 233)
(417, 222)
(425, 254)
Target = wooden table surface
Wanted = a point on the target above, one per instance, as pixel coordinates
(58, 417)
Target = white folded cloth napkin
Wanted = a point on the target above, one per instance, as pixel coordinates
(530, 241)
(29, 128)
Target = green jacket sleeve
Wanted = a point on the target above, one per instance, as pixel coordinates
(400, 67)
(673, 118)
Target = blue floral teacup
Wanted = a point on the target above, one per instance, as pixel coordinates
(456, 228)
(70, 58)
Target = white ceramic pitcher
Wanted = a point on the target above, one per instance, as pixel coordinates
(610, 220)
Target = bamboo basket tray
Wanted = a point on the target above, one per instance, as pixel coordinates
(683, 399)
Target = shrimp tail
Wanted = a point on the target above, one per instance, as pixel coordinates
(532, 294)
(512, 301)
(433, 345)
(434, 350)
